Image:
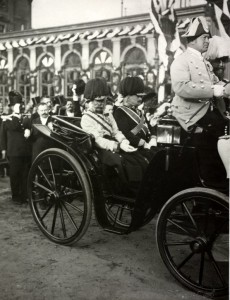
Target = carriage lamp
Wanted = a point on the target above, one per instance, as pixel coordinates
(168, 131)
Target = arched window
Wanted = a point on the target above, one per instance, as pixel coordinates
(3, 80)
(134, 63)
(47, 76)
(23, 78)
(102, 65)
(72, 72)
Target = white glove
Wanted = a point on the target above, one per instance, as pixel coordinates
(26, 133)
(218, 90)
(147, 146)
(124, 145)
(153, 141)
(50, 125)
(3, 154)
(227, 91)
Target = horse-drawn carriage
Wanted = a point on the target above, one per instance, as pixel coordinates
(66, 181)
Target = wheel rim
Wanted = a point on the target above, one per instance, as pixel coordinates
(119, 214)
(193, 242)
(58, 198)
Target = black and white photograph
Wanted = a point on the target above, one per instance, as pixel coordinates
(114, 149)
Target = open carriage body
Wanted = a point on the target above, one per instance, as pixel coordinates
(66, 181)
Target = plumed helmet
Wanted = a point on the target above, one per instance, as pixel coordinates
(197, 27)
(80, 86)
(131, 86)
(96, 88)
(14, 98)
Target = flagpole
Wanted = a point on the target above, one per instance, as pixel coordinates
(122, 4)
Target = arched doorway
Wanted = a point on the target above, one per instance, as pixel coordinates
(72, 72)
(102, 65)
(46, 76)
(3, 81)
(23, 78)
(134, 63)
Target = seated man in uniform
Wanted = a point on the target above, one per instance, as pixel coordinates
(114, 149)
(130, 120)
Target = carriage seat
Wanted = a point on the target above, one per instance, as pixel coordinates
(69, 131)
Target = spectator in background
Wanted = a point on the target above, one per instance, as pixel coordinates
(78, 96)
(14, 138)
(40, 142)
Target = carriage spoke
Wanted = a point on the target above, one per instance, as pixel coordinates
(46, 212)
(217, 268)
(62, 221)
(218, 231)
(71, 194)
(74, 207)
(52, 171)
(190, 216)
(54, 219)
(185, 243)
(46, 179)
(42, 187)
(201, 267)
(185, 261)
(178, 226)
(70, 217)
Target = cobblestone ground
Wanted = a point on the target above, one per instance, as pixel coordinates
(101, 266)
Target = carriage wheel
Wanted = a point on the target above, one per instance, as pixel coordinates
(119, 215)
(192, 238)
(59, 196)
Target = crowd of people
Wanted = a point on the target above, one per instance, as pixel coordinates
(124, 128)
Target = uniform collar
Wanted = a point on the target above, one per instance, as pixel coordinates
(195, 52)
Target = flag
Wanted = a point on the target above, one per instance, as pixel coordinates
(222, 8)
(164, 21)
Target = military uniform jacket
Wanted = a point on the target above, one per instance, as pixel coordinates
(103, 128)
(192, 79)
(12, 137)
(126, 124)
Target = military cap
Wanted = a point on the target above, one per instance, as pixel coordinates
(96, 88)
(130, 86)
(14, 98)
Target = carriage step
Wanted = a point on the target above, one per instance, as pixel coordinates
(121, 199)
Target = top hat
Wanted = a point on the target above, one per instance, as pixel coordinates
(14, 98)
(36, 100)
(60, 100)
(80, 86)
(131, 86)
(96, 88)
(197, 27)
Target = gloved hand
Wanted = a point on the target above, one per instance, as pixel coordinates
(3, 154)
(218, 90)
(26, 133)
(147, 146)
(153, 141)
(227, 91)
(50, 125)
(124, 145)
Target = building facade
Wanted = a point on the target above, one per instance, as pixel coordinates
(47, 61)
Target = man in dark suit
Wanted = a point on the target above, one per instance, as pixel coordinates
(15, 144)
(40, 142)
